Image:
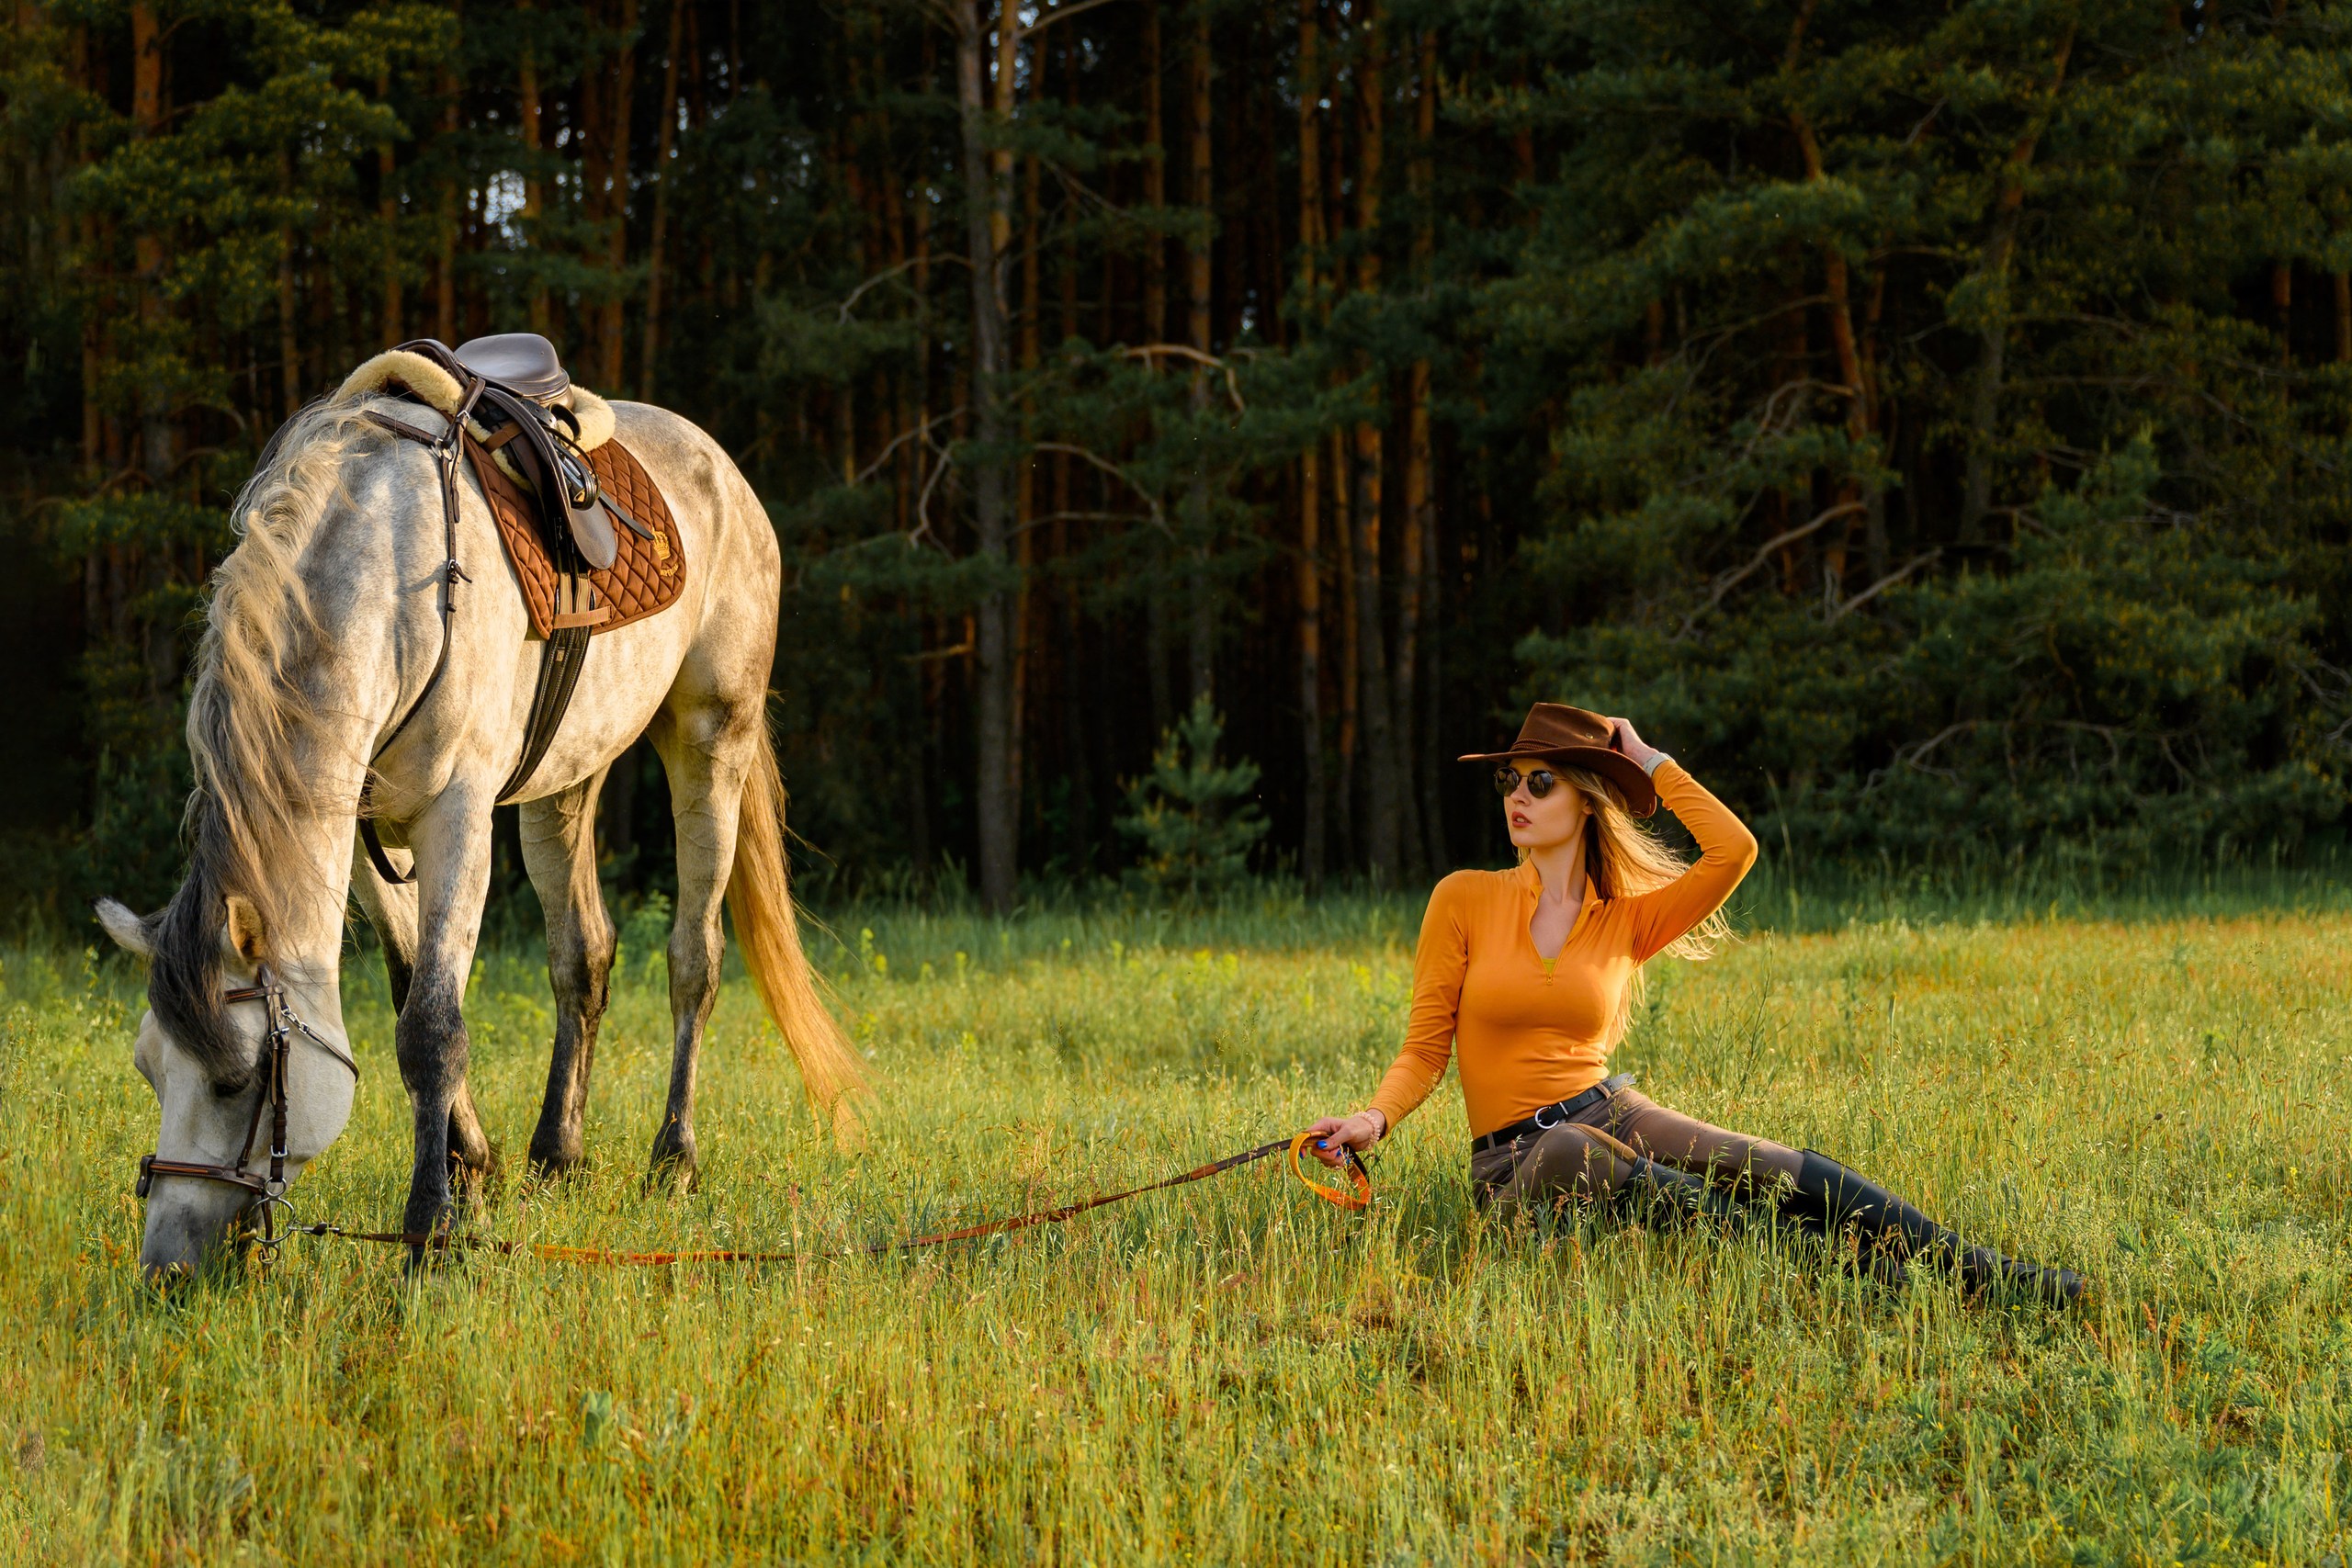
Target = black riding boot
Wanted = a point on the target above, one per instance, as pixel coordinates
(1664, 1195)
(1829, 1197)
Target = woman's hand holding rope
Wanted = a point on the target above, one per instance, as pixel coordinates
(1328, 1137)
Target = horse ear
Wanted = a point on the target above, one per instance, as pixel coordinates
(245, 929)
(130, 933)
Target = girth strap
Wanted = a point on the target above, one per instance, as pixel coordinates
(559, 673)
(376, 856)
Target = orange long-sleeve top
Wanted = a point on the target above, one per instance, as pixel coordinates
(1530, 1033)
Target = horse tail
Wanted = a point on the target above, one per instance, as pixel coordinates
(760, 897)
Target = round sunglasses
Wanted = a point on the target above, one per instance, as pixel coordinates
(1539, 782)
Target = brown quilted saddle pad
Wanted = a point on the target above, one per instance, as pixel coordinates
(644, 578)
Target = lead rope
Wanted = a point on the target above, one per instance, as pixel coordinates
(1359, 1175)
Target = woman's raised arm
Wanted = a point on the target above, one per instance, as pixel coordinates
(1727, 848)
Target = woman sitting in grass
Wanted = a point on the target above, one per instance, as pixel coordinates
(1534, 971)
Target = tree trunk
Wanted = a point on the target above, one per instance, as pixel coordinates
(1077, 767)
(86, 228)
(929, 675)
(1310, 468)
(2282, 299)
(1154, 181)
(1201, 644)
(146, 121)
(445, 271)
(848, 149)
(1420, 520)
(1999, 246)
(650, 348)
(986, 218)
(1425, 764)
(624, 86)
(1343, 535)
(527, 87)
(387, 211)
(1025, 607)
(290, 349)
(1382, 829)
(1861, 401)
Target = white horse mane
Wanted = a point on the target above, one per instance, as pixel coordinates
(254, 717)
(254, 711)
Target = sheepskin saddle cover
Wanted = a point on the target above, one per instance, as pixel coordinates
(646, 576)
(405, 371)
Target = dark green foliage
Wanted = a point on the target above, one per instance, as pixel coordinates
(1192, 816)
(2054, 579)
(1929, 421)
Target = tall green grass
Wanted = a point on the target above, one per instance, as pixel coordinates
(1232, 1371)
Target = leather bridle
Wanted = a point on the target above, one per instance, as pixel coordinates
(268, 1192)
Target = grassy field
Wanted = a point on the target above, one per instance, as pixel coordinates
(1233, 1371)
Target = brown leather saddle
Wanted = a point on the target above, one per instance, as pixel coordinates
(523, 363)
(520, 379)
(556, 505)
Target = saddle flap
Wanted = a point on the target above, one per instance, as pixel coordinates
(565, 483)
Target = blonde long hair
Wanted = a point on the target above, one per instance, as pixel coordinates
(1623, 859)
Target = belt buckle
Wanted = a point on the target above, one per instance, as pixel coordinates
(1544, 1126)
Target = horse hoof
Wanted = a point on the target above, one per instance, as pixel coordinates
(553, 1162)
(426, 1262)
(424, 1259)
(674, 1166)
(472, 1184)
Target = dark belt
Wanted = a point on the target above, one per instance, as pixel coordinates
(1550, 1116)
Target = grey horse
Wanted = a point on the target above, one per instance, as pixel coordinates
(324, 625)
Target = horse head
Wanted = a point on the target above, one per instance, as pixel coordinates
(215, 994)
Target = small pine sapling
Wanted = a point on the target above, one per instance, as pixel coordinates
(1195, 821)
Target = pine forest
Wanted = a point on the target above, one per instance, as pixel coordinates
(1929, 421)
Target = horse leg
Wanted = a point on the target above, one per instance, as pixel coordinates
(453, 849)
(559, 852)
(700, 752)
(391, 907)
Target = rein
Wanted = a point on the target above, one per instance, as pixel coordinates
(269, 1192)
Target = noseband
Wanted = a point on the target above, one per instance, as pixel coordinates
(268, 1192)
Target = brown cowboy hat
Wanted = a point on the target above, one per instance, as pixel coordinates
(1558, 733)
